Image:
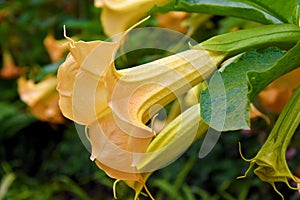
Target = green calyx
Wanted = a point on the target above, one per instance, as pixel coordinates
(271, 161)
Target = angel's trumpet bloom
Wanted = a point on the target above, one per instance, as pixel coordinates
(9, 70)
(114, 104)
(171, 142)
(117, 16)
(55, 48)
(41, 98)
(271, 158)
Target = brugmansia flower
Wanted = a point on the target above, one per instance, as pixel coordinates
(42, 98)
(271, 159)
(173, 20)
(170, 143)
(55, 48)
(114, 104)
(117, 16)
(9, 70)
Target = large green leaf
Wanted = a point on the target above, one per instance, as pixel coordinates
(287, 63)
(286, 11)
(241, 81)
(240, 9)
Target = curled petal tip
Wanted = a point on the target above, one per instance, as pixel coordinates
(68, 38)
(241, 154)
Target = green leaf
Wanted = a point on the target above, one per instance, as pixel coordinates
(6, 182)
(240, 9)
(74, 188)
(281, 35)
(285, 11)
(167, 188)
(258, 80)
(188, 193)
(230, 93)
(12, 119)
(6, 110)
(13, 124)
(47, 70)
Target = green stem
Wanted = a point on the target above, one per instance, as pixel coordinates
(287, 122)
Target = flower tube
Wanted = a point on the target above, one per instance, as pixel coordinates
(271, 159)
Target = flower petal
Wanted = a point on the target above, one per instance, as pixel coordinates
(114, 150)
(42, 98)
(55, 48)
(118, 16)
(141, 87)
(78, 106)
(31, 92)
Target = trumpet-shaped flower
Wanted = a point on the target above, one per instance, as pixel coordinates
(119, 15)
(171, 142)
(271, 159)
(114, 104)
(41, 98)
(9, 70)
(55, 48)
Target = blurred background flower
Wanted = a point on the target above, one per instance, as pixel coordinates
(118, 16)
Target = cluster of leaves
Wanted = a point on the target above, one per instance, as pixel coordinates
(45, 161)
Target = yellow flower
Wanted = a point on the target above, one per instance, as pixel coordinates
(114, 104)
(118, 15)
(271, 159)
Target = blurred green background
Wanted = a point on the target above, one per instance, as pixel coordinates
(41, 160)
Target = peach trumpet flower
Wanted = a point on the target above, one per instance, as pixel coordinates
(114, 104)
(41, 98)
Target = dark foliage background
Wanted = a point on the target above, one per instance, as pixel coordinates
(40, 160)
